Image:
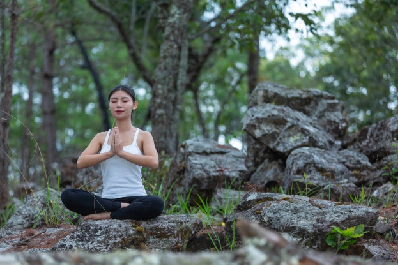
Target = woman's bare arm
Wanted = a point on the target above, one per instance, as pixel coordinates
(90, 156)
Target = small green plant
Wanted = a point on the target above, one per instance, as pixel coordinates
(54, 212)
(361, 199)
(6, 214)
(309, 188)
(342, 239)
(206, 210)
(215, 239)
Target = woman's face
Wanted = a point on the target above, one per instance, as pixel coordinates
(121, 104)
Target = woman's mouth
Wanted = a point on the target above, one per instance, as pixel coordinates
(119, 111)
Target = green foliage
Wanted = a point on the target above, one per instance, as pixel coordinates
(54, 213)
(342, 239)
(6, 213)
(358, 64)
(215, 239)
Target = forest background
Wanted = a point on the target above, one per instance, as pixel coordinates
(192, 63)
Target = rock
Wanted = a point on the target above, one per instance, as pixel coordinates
(89, 178)
(379, 252)
(225, 200)
(382, 228)
(24, 189)
(68, 170)
(386, 170)
(306, 220)
(203, 166)
(321, 107)
(262, 246)
(171, 232)
(268, 174)
(38, 210)
(283, 130)
(314, 168)
(375, 141)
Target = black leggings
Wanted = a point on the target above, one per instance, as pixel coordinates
(85, 203)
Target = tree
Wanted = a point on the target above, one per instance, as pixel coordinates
(359, 63)
(5, 99)
(186, 48)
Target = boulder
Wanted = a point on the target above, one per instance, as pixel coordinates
(262, 246)
(375, 141)
(166, 232)
(314, 168)
(41, 208)
(200, 167)
(89, 178)
(320, 106)
(306, 220)
(268, 174)
(282, 129)
(68, 170)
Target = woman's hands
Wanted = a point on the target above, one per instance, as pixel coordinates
(116, 142)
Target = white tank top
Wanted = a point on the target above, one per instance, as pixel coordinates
(121, 178)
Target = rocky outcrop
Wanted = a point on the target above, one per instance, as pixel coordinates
(375, 141)
(166, 232)
(317, 169)
(305, 220)
(321, 107)
(262, 247)
(36, 210)
(200, 167)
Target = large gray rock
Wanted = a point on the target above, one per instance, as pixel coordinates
(204, 165)
(283, 129)
(320, 106)
(89, 178)
(166, 232)
(268, 174)
(39, 209)
(306, 220)
(375, 141)
(320, 168)
(262, 246)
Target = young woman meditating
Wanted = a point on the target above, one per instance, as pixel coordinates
(121, 152)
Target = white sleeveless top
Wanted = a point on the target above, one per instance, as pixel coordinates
(121, 178)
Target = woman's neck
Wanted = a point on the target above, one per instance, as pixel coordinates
(124, 125)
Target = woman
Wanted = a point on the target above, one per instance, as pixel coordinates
(121, 152)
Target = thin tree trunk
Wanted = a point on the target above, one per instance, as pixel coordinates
(100, 91)
(24, 176)
(165, 100)
(5, 100)
(48, 106)
(253, 64)
(201, 120)
(2, 48)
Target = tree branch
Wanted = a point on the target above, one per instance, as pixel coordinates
(222, 21)
(123, 33)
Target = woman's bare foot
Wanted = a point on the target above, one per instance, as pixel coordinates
(98, 216)
(124, 204)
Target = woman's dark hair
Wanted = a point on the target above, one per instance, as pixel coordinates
(124, 88)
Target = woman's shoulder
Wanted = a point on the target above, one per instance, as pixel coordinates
(145, 133)
(100, 137)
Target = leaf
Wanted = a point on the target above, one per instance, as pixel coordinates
(348, 232)
(331, 240)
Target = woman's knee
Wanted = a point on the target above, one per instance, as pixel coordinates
(66, 196)
(157, 204)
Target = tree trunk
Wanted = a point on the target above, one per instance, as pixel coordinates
(253, 64)
(24, 174)
(169, 79)
(100, 91)
(48, 106)
(5, 100)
